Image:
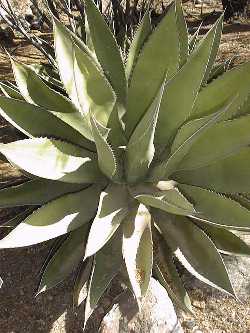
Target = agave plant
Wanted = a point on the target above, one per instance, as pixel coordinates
(140, 165)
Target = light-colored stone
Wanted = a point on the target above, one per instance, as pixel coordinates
(157, 314)
(239, 272)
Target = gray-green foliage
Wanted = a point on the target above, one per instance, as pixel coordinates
(140, 148)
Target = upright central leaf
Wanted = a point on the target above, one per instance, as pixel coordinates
(141, 143)
(106, 50)
(158, 58)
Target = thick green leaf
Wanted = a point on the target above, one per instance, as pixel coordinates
(83, 80)
(182, 32)
(106, 265)
(81, 283)
(226, 241)
(94, 93)
(54, 219)
(9, 91)
(33, 120)
(216, 209)
(14, 221)
(182, 300)
(218, 142)
(106, 157)
(193, 40)
(141, 143)
(53, 159)
(106, 50)
(167, 167)
(171, 201)
(34, 90)
(65, 260)
(137, 248)
(158, 58)
(138, 41)
(194, 250)
(187, 82)
(215, 95)
(214, 49)
(229, 175)
(168, 276)
(113, 207)
(35, 192)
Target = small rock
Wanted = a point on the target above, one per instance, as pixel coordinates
(199, 305)
(157, 314)
(190, 324)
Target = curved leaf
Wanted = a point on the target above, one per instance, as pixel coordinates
(106, 157)
(139, 39)
(33, 120)
(94, 93)
(159, 57)
(182, 32)
(35, 192)
(9, 91)
(53, 159)
(54, 219)
(106, 266)
(229, 175)
(81, 283)
(137, 249)
(214, 96)
(141, 143)
(216, 209)
(194, 250)
(226, 241)
(171, 164)
(171, 201)
(168, 276)
(218, 142)
(66, 258)
(187, 82)
(106, 50)
(113, 207)
(35, 91)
